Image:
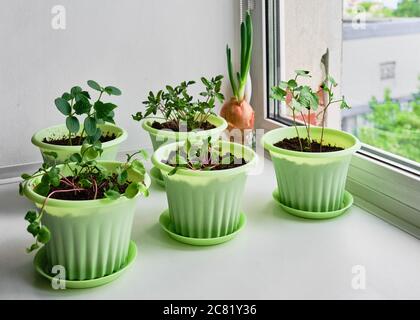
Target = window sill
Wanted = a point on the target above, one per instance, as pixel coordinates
(279, 256)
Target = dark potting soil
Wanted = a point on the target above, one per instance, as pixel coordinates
(227, 161)
(86, 193)
(293, 144)
(76, 141)
(174, 126)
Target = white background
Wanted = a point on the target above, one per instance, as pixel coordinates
(136, 45)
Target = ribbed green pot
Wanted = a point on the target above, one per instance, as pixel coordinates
(160, 137)
(90, 238)
(205, 204)
(311, 181)
(110, 148)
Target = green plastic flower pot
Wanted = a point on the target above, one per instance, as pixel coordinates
(205, 204)
(89, 238)
(308, 181)
(110, 148)
(160, 137)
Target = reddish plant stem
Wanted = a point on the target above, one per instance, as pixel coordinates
(96, 189)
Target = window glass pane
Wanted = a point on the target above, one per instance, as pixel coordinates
(381, 74)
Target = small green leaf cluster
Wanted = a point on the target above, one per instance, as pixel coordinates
(77, 103)
(85, 174)
(177, 105)
(198, 155)
(301, 98)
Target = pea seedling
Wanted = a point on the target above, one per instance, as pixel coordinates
(175, 105)
(301, 98)
(88, 180)
(78, 102)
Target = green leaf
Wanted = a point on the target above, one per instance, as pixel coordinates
(344, 105)
(173, 171)
(53, 174)
(292, 83)
(76, 157)
(63, 106)
(205, 82)
(283, 85)
(44, 235)
(66, 96)
(75, 90)
(138, 167)
(187, 146)
(143, 153)
(138, 116)
(220, 97)
(33, 228)
(72, 124)
(90, 126)
(278, 93)
(89, 152)
(103, 110)
(132, 190)
(308, 98)
(31, 216)
(25, 176)
(332, 81)
(42, 189)
(143, 189)
(32, 247)
(81, 107)
(112, 91)
(122, 177)
(51, 154)
(296, 105)
(94, 85)
(112, 194)
(303, 73)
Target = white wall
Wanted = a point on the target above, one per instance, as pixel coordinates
(136, 45)
(310, 28)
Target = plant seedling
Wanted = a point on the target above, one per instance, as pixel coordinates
(176, 106)
(202, 155)
(78, 103)
(301, 98)
(88, 181)
(238, 85)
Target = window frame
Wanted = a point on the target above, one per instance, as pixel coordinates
(382, 183)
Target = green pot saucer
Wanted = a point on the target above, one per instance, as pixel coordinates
(166, 224)
(157, 177)
(40, 262)
(347, 202)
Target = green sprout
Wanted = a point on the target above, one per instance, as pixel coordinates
(87, 176)
(78, 103)
(301, 99)
(238, 85)
(176, 105)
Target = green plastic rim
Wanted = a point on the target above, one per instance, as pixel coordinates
(335, 137)
(41, 262)
(237, 149)
(347, 203)
(29, 192)
(167, 226)
(217, 121)
(60, 131)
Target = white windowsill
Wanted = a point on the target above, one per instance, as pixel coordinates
(277, 256)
